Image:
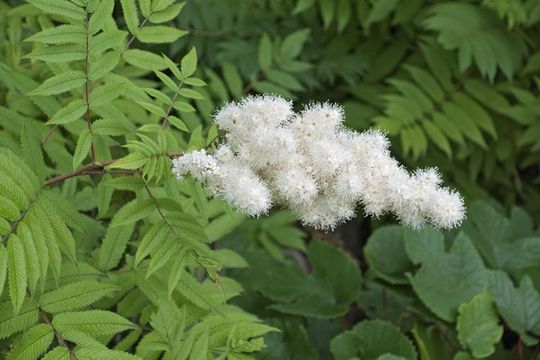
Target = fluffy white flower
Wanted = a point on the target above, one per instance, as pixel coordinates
(312, 164)
(243, 189)
(265, 147)
(201, 165)
(326, 212)
(294, 185)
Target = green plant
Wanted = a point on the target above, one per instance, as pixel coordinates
(105, 255)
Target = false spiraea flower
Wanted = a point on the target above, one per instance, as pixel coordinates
(311, 164)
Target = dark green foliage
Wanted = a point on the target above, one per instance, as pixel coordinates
(105, 255)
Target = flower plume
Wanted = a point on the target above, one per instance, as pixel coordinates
(311, 164)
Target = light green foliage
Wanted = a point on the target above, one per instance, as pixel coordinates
(373, 340)
(478, 327)
(105, 255)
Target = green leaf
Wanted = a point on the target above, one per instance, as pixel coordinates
(129, 8)
(100, 16)
(60, 83)
(92, 322)
(33, 343)
(385, 253)
(325, 293)
(72, 112)
(183, 106)
(167, 14)
(133, 211)
(448, 279)
(75, 296)
(59, 53)
(518, 306)
(60, 7)
(481, 37)
(371, 339)
(106, 93)
(17, 277)
(11, 323)
(3, 266)
(265, 52)
(144, 59)
(113, 246)
(62, 34)
(32, 151)
(104, 64)
(293, 43)
(159, 34)
(188, 65)
(190, 94)
(83, 147)
(58, 353)
(380, 10)
(129, 162)
(478, 325)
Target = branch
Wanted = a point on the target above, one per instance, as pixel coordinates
(81, 171)
(90, 169)
(87, 91)
(59, 337)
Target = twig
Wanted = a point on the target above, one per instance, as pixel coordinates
(59, 337)
(90, 169)
(49, 134)
(81, 171)
(87, 91)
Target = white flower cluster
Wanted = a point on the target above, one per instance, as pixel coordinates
(310, 163)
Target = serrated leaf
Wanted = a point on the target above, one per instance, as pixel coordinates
(478, 325)
(113, 246)
(102, 13)
(178, 268)
(60, 83)
(58, 353)
(154, 109)
(62, 34)
(60, 7)
(133, 211)
(190, 94)
(75, 296)
(129, 162)
(83, 147)
(265, 52)
(177, 123)
(3, 266)
(59, 53)
(17, 276)
(167, 14)
(106, 93)
(293, 43)
(110, 39)
(131, 17)
(33, 343)
(144, 59)
(11, 323)
(159, 34)
(188, 64)
(72, 112)
(183, 106)
(167, 81)
(32, 150)
(92, 322)
(104, 64)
